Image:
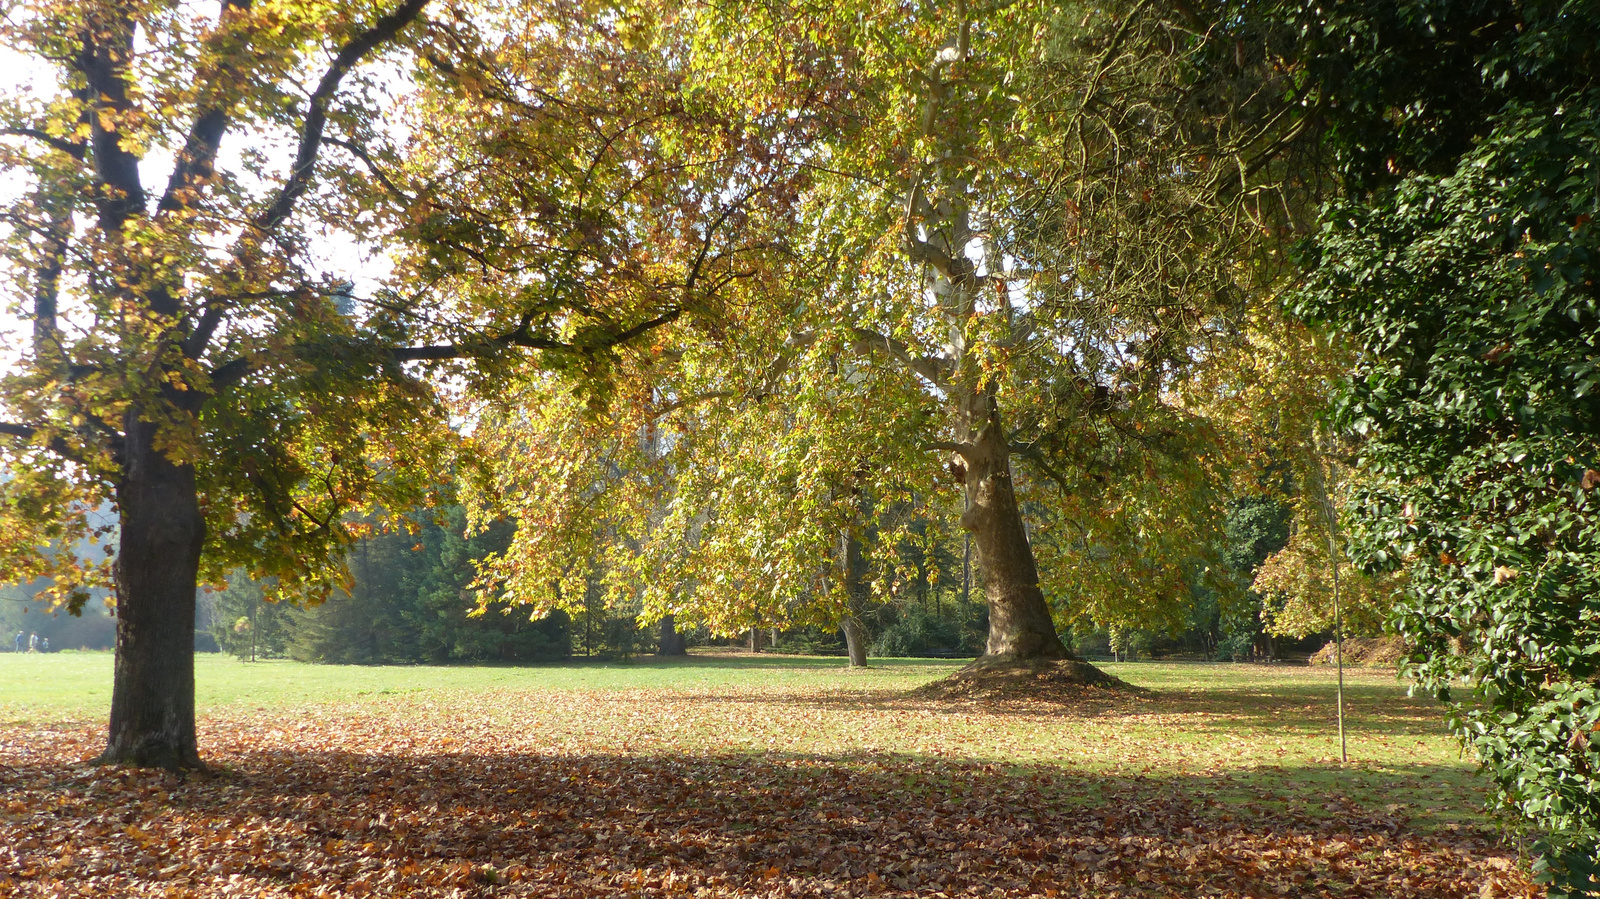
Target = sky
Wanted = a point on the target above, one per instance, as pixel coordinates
(21, 76)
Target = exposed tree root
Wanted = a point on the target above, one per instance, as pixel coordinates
(1008, 677)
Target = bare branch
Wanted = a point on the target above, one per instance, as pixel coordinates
(75, 149)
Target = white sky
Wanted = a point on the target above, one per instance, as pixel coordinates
(333, 253)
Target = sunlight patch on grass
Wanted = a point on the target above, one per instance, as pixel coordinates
(1251, 735)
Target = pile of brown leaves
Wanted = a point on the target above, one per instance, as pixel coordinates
(1372, 652)
(452, 806)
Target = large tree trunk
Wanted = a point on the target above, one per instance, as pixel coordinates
(158, 563)
(1020, 625)
(855, 585)
(855, 641)
(671, 642)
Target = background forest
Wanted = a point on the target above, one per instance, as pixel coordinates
(410, 602)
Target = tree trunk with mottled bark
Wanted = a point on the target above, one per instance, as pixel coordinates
(158, 564)
(855, 641)
(1020, 625)
(854, 566)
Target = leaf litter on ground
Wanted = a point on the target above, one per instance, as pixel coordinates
(712, 792)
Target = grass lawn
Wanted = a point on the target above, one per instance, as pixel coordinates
(744, 775)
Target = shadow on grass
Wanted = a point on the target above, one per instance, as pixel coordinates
(485, 823)
(1299, 710)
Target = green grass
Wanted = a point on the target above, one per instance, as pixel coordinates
(71, 687)
(1256, 735)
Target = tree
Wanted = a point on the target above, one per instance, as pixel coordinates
(938, 302)
(591, 477)
(408, 602)
(1296, 582)
(167, 322)
(246, 625)
(1462, 263)
(192, 360)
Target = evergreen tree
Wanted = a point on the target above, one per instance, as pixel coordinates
(409, 602)
(246, 624)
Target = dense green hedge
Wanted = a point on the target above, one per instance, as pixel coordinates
(1463, 262)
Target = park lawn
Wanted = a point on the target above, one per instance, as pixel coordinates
(72, 687)
(805, 774)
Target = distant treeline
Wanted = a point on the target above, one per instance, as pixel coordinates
(409, 603)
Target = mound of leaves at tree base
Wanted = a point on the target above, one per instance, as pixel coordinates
(1006, 678)
(287, 816)
(1366, 652)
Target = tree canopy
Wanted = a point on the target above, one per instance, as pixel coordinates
(198, 359)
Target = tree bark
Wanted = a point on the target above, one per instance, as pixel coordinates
(671, 642)
(755, 639)
(1020, 625)
(855, 641)
(855, 576)
(158, 564)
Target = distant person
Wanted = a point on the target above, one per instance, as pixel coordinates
(18, 641)
(33, 642)
(44, 645)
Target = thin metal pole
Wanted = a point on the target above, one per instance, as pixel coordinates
(1332, 517)
(1338, 642)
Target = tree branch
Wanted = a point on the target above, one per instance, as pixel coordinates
(371, 165)
(1029, 452)
(195, 162)
(47, 287)
(917, 249)
(76, 149)
(523, 337)
(56, 444)
(299, 178)
(696, 399)
(1104, 63)
(235, 370)
(231, 372)
(934, 368)
(106, 52)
